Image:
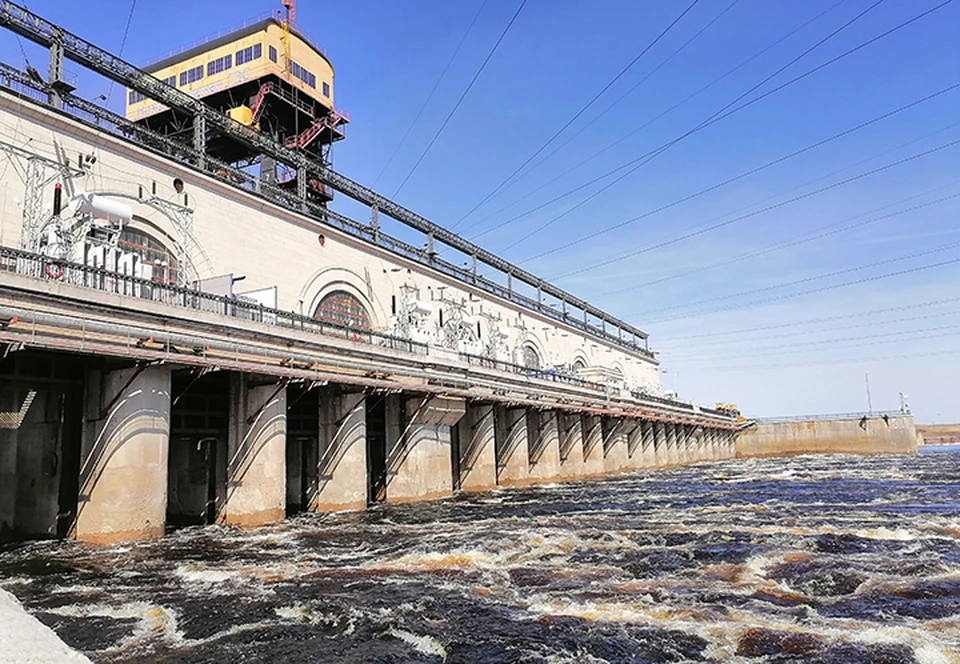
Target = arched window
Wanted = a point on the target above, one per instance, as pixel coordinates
(530, 358)
(343, 308)
(579, 365)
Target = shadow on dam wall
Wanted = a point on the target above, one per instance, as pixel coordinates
(859, 433)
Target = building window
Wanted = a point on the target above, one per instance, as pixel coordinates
(135, 97)
(192, 75)
(303, 74)
(249, 54)
(273, 53)
(344, 309)
(171, 81)
(326, 89)
(530, 357)
(219, 65)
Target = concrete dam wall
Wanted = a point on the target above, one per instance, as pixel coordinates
(885, 433)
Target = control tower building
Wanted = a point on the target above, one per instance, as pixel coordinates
(267, 75)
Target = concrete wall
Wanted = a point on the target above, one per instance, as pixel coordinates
(543, 445)
(123, 472)
(511, 442)
(895, 434)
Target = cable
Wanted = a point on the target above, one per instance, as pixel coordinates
(813, 363)
(824, 319)
(750, 172)
(577, 114)
(580, 165)
(803, 346)
(821, 289)
(123, 43)
(721, 342)
(811, 236)
(789, 201)
(644, 159)
(462, 97)
(430, 95)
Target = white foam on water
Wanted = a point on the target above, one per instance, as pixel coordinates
(198, 574)
(426, 645)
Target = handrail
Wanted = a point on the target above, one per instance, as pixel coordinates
(76, 274)
(831, 416)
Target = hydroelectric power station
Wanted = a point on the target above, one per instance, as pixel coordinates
(190, 334)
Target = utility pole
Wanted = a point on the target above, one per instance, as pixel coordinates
(866, 378)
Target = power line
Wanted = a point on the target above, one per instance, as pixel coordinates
(577, 114)
(821, 289)
(823, 319)
(430, 95)
(462, 97)
(746, 174)
(669, 110)
(594, 120)
(805, 280)
(803, 346)
(123, 43)
(813, 363)
(646, 158)
(797, 240)
(801, 333)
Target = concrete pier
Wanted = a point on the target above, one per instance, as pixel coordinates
(615, 453)
(860, 433)
(256, 462)
(419, 461)
(543, 445)
(511, 441)
(477, 453)
(570, 431)
(342, 458)
(123, 470)
(592, 435)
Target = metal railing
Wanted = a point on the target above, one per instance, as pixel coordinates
(831, 416)
(542, 374)
(75, 274)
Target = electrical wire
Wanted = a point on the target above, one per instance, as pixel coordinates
(610, 146)
(426, 101)
(822, 319)
(462, 97)
(649, 156)
(577, 114)
(821, 289)
(814, 363)
(745, 174)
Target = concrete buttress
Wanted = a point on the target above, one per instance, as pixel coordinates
(256, 453)
(543, 445)
(342, 454)
(419, 461)
(123, 463)
(511, 442)
(570, 429)
(478, 455)
(592, 446)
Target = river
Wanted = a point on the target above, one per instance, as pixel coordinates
(805, 559)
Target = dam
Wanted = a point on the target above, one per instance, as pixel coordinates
(190, 334)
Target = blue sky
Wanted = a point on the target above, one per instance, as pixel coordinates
(788, 304)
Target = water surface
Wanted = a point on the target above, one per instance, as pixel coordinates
(807, 559)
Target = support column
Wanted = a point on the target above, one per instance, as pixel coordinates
(256, 453)
(123, 466)
(647, 451)
(660, 444)
(635, 445)
(342, 467)
(673, 451)
(543, 445)
(570, 426)
(419, 463)
(593, 465)
(615, 458)
(478, 454)
(511, 443)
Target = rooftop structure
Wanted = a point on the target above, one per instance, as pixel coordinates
(265, 75)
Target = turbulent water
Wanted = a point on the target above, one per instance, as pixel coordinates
(807, 559)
